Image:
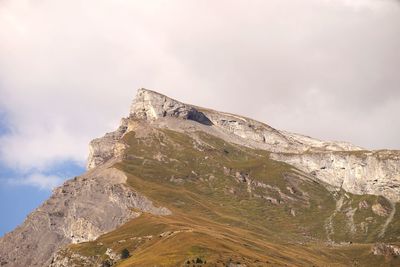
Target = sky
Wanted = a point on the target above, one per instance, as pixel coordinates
(69, 71)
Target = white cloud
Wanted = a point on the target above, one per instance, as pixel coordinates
(69, 69)
(365, 4)
(44, 182)
(36, 148)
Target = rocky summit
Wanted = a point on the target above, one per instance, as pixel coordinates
(181, 185)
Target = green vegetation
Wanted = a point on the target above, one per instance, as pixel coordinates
(232, 204)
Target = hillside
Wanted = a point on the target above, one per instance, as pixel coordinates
(180, 185)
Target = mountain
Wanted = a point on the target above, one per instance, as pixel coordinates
(181, 185)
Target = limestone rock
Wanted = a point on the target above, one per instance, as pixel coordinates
(358, 172)
(386, 250)
(379, 210)
(107, 147)
(150, 105)
(73, 260)
(80, 210)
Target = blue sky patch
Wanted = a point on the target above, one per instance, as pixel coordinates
(18, 200)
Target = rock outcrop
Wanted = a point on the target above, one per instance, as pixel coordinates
(386, 250)
(80, 210)
(358, 172)
(107, 147)
(150, 105)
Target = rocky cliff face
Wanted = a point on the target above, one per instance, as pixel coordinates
(339, 164)
(149, 105)
(100, 201)
(80, 210)
(358, 172)
(108, 147)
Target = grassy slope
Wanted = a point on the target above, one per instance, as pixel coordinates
(221, 220)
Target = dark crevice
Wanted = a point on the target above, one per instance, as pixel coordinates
(198, 116)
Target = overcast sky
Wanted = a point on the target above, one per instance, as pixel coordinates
(69, 70)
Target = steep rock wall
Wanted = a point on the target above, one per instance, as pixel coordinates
(80, 210)
(361, 172)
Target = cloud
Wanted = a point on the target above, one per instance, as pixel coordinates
(69, 69)
(39, 148)
(43, 182)
(365, 4)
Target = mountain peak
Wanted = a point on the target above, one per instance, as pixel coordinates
(151, 105)
(160, 111)
(208, 184)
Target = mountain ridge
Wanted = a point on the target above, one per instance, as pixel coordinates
(170, 166)
(150, 105)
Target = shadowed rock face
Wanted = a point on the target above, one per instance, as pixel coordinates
(199, 117)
